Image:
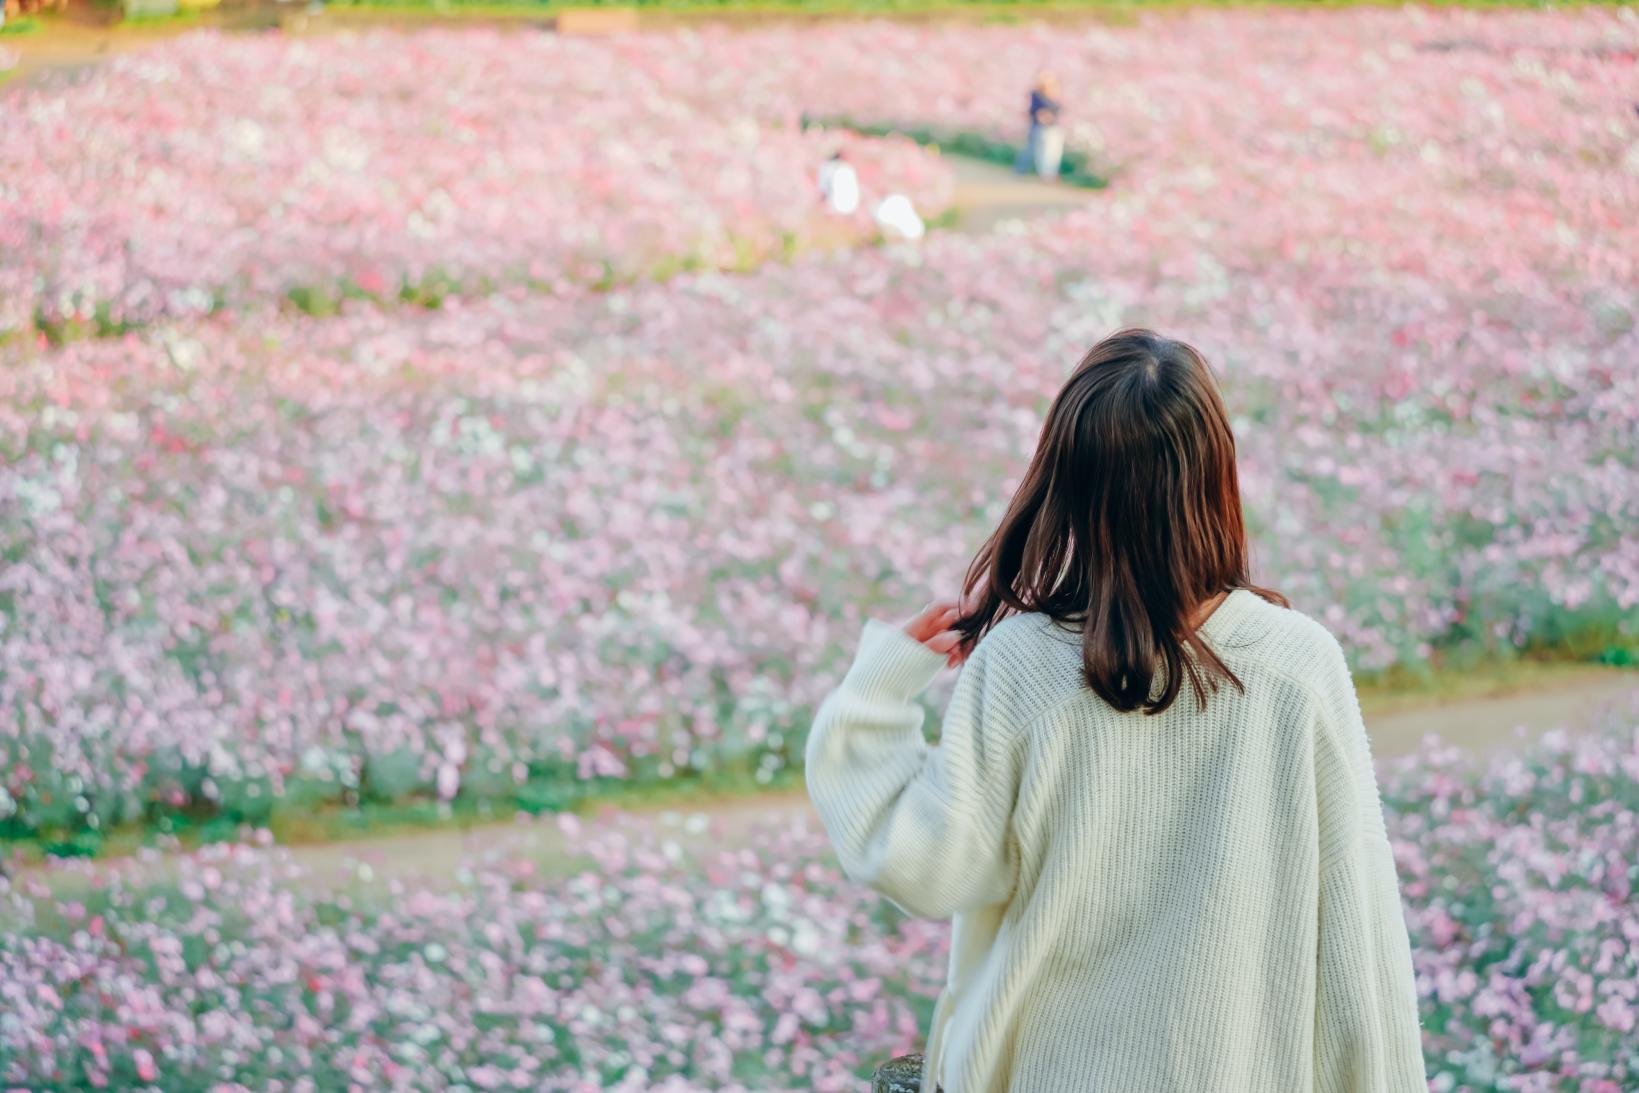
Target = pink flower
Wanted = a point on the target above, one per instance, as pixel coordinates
(448, 781)
(1617, 1014)
(144, 1062)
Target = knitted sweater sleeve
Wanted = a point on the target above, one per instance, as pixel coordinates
(1367, 1037)
(928, 827)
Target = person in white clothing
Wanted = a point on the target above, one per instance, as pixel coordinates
(897, 218)
(839, 185)
(1151, 810)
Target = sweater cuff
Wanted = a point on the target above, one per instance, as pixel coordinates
(891, 664)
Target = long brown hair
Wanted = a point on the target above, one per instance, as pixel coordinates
(1126, 524)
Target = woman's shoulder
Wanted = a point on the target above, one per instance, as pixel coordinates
(1029, 634)
(1287, 640)
(1030, 661)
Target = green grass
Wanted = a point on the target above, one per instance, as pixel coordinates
(661, 12)
(357, 816)
(1464, 667)
(1403, 690)
(182, 19)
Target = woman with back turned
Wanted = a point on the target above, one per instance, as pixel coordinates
(1152, 810)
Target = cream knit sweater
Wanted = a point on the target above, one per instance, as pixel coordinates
(1185, 903)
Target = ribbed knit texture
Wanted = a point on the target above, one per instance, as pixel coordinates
(1194, 902)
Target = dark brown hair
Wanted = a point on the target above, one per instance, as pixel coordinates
(1126, 524)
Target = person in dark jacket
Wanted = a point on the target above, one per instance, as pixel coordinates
(1044, 145)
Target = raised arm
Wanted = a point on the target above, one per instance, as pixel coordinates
(928, 827)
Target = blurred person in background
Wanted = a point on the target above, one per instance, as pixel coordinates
(1044, 144)
(897, 217)
(839, 184)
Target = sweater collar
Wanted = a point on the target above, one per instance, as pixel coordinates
(1224, 626)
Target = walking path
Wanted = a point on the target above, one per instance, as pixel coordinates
(67, 45)
(988, 194)
(1501, 722)
(1582, 700)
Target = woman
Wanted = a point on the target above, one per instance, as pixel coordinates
(1152, 810)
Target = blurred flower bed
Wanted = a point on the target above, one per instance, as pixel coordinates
(665, 966)
(215, 170)
(1481, 147)
(528, 543)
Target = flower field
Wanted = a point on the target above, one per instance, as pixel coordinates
(217, 171)
(1490, 149)
(494, 419)
(632, 534)
(541, 537)
(662, 966)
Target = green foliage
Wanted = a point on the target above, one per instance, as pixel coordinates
(56, 816)
(1620, 656)
(391, 776)
(99, 324)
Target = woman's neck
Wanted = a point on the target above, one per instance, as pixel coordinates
(1204, 612)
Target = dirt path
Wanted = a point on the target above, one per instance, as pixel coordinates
(68, 45)
(988, 195)
(1507, 721)
(1582, 700)
(1579, 699)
